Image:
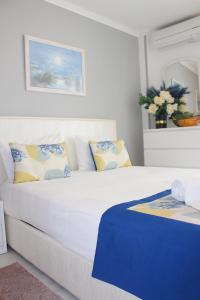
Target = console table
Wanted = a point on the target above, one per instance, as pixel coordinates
(172, 147)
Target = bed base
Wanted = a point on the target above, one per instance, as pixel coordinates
(68, 269)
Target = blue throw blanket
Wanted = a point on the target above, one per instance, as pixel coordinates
(152, 257)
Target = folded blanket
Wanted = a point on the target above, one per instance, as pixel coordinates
(145, 252)
(188, 191)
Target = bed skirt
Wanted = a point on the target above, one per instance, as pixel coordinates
(67, 268)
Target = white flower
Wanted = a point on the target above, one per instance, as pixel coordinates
(175, 106)
(167, 96)
(159, 100)
(152, 108)
(170, 109)
(183, 108)
(183, 99)
(170, 100)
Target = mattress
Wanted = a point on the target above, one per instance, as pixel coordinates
(70, 209)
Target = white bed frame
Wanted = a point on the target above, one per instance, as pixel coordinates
(69, 269)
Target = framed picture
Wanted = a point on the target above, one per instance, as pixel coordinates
(53, 67)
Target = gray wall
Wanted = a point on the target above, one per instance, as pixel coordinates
(112, 66)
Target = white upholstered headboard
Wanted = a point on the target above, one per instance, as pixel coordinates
(25, 129)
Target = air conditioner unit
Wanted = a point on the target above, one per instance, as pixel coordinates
(184, 32)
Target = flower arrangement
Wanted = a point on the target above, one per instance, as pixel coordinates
(167, 101)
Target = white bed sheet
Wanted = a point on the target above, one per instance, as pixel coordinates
(69, 210)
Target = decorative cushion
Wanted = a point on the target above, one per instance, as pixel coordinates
(6, 156)
(109, 155)
(39, 162)
(84, 156)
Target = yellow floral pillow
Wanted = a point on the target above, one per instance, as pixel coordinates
(39, 162)
(109, 155)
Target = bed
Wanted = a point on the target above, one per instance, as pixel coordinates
(54, 224)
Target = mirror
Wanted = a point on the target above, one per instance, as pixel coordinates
(186, 73)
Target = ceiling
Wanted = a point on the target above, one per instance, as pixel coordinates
(134, 16)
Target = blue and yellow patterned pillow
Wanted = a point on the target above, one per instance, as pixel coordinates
(39, 162)
(109, 155)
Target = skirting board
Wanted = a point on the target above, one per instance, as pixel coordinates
(70, 270)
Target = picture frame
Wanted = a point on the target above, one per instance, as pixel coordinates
(53, 67)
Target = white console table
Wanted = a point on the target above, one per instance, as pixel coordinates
(172, 147)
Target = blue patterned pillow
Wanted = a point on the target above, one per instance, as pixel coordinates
(109, 155)
(39, 162)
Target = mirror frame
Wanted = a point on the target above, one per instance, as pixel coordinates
(177, 60)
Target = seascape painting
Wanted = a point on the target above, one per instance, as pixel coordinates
(53, 67)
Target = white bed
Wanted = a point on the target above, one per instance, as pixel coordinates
(69, 210)
(54, 224)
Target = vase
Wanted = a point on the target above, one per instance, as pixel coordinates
(161, 121)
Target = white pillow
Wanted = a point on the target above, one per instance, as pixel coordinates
(6, 155)
(84, 156)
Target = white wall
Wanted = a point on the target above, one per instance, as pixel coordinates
(158, 59)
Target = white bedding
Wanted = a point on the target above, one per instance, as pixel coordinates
(70, 209)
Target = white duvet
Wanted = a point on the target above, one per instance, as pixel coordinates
(69, 210)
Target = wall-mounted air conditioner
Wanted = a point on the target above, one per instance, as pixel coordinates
(187, 31)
